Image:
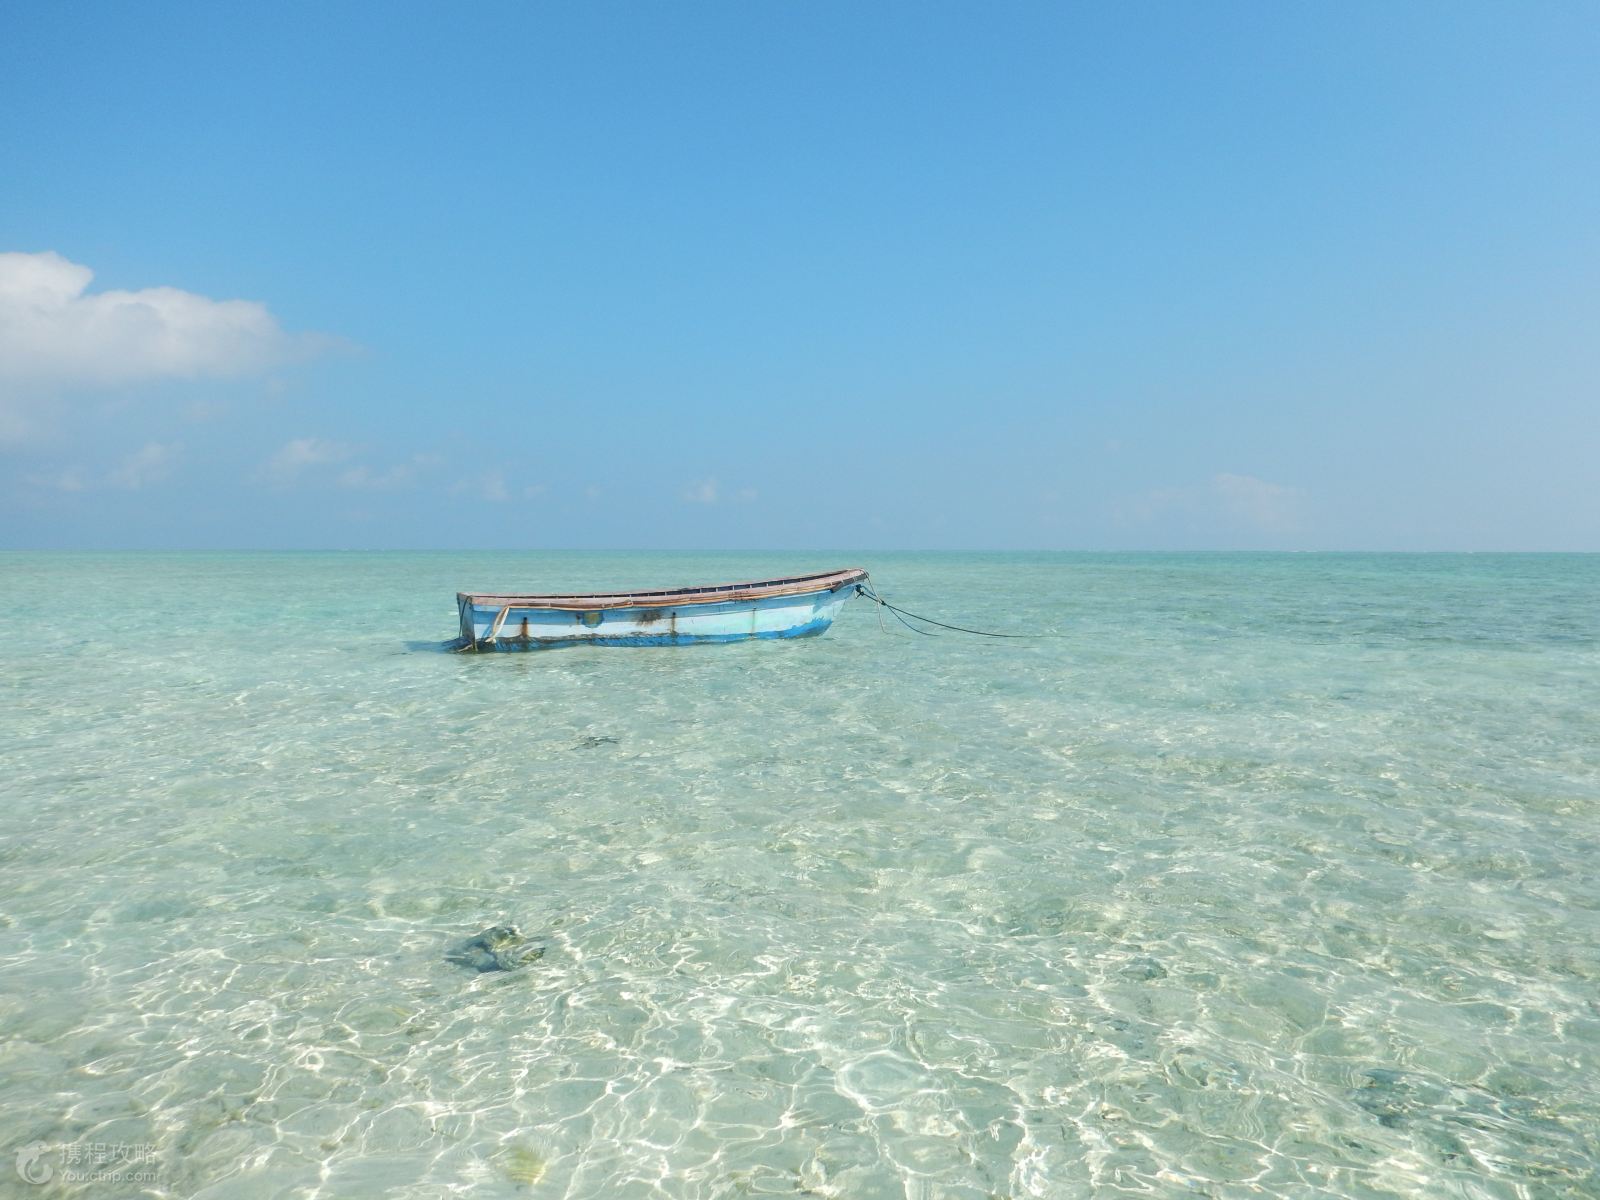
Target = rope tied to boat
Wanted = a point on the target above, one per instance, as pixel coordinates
(902, 613)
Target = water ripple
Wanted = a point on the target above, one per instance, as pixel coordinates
(1274, 876)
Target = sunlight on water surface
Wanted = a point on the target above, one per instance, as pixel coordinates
(1268, 875)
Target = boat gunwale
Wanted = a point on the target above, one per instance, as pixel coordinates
(716, 593)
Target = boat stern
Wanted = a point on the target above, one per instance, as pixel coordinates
(466, 613)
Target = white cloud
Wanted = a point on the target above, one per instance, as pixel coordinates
(149, 464)
(487, 485)
(57, 337)
(402, 475)
(295, 457)
(710, 491)
(314, 460)
(53, 331)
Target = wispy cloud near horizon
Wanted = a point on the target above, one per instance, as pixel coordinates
(709, 491)
(487, 485)
(387, 479)
(150, 464)
(299, 455)
(702, 492)
(1225, 500)
(1271, 507)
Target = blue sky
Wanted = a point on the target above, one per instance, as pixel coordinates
(800, 275)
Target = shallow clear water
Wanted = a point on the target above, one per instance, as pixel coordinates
(1270, 875)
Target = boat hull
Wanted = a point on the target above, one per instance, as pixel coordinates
(488, 623)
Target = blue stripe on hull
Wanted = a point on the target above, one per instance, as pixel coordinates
(809, 629)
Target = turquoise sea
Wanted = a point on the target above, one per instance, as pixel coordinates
(1269, 875)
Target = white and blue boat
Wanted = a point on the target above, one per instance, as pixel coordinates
(801, 606)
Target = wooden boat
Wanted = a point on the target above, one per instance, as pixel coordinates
(801, 606)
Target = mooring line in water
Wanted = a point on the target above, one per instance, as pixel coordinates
(883, 604)
(863, 590)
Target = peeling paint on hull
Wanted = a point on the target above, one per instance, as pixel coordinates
(810, 629)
